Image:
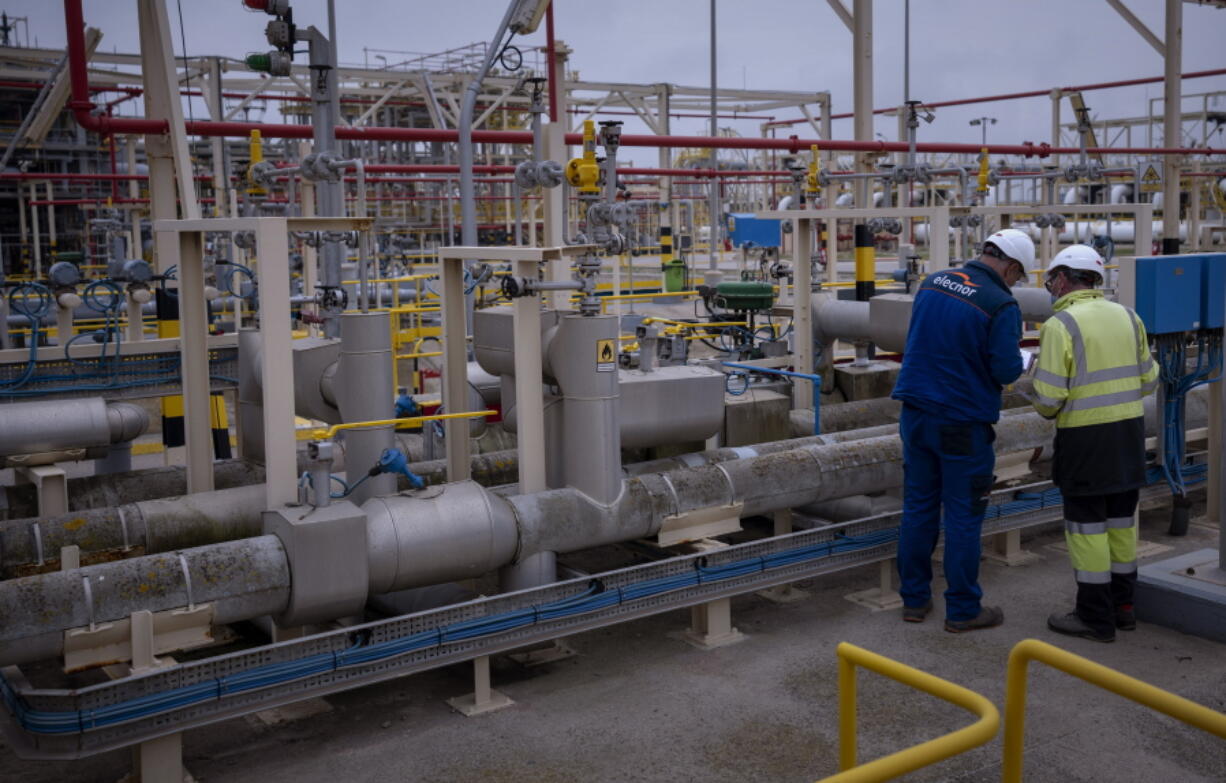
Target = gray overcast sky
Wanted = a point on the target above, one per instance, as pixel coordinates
(959, 48)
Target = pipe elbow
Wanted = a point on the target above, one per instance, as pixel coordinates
(127, 421)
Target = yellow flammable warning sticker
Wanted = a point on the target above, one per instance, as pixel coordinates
(1151, 178)
(606, 356)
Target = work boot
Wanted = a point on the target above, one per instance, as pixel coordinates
(916, 614)
(1072, 625)
(988, 617)
(1125, 618)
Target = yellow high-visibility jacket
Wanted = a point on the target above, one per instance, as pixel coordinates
(1094, 362)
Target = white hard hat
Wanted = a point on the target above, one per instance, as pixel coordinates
(1079, 258)
(1014, 244)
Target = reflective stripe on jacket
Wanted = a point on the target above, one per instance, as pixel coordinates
(1094, 362)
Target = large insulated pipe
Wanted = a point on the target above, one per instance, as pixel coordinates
(58, 425)
(363, 388)
(591, 445)
(239, 579)
(840, 319)
(148, 526)
(458, 531)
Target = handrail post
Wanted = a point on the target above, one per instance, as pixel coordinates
(847, 712)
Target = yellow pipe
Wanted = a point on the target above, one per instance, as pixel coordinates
(930, 752)
(408, 421)
(658, 320)
(1121, 684)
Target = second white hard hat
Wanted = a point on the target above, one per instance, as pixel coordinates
(1080, 258)
(1016, 245)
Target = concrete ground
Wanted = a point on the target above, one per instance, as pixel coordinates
(637, 704)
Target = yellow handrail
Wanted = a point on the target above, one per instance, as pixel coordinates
(418, 355)
(930, 752)
(691, 324)
(1155, 698)
(408, 421)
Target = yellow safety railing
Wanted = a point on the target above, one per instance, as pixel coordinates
(408, 421)
(930, 752)
(1028, 650)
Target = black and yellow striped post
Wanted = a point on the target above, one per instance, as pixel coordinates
(866, 264)
(666, 244)
(174, 432)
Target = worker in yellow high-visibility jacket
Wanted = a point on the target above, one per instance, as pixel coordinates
(1093, 370)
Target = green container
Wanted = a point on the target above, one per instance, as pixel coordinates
(742, 295)
(675, 274)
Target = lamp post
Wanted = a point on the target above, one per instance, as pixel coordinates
(984, 122)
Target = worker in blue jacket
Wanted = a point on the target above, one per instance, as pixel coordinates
(962, 347)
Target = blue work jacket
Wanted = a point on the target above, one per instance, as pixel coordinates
(962, 345)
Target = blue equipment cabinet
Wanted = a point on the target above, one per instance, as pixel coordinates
(746, 229)
(1213, 291)
(1169, 293)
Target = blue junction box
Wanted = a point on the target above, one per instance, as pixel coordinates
(1213, 291)
(1169, 293)
(744, 228)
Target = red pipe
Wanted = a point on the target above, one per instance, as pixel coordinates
(1015, 95)
(81, 106)
(551, 64)
(85, 177)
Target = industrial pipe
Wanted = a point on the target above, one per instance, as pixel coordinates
(59, 425)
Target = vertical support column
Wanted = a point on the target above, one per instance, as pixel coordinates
(455, 367)
(280, 449)
(938, 240)
(802, 312)
(221, 179)
(1143, 226)
(194, 361)
(1194, 208)
(862, 85)
(162, 102)
(51, 237)
(157, 760)
(310, 255)
(483, 698)
(35, 233)
(832, 240)
(1172, 125)
(713, 204)
(554, 203)
(540, 568)
(711, 625)
(665, 161)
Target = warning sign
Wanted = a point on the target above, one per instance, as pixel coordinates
(606, 356)
(1151, 177)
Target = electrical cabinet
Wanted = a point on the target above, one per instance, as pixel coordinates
(1213, 291)
(746, 229)
(1168, 293)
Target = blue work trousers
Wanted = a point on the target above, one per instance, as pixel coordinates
(946, 463)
